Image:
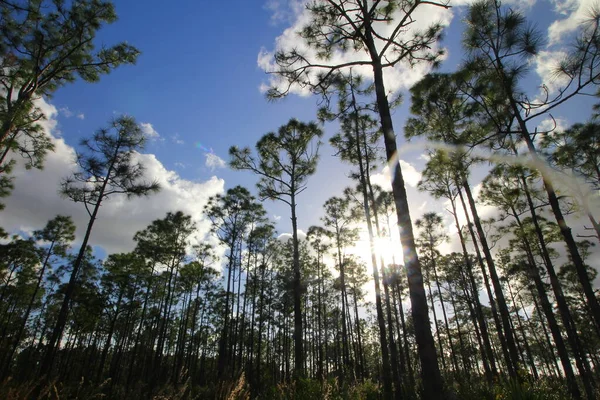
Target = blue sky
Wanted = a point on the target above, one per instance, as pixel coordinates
(197, 85)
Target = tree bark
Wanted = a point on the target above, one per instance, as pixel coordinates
(513, 359)
(430, 371)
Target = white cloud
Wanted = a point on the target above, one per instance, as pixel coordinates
(288, 236)
(35, 199)
(552, 125)
(177, 139)
(213, 161)
(284, 10)
(51, 112)
(425, 157)
(409, 173)
(575, 12)
(149, 130)
(484, 211)
(67, 113)
(546, 66)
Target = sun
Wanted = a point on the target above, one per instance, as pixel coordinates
(390, 250)
(386, 248)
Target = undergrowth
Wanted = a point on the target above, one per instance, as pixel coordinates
(302, 389)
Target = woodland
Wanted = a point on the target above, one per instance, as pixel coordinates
(513, 313)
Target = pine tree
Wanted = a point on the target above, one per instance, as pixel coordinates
(284, 161)
(107, 167)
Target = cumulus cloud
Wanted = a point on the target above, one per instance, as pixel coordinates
(574, 12)
(409, 173)
(36, 199)
(49, 124)
(177, 139)
(546, 66)
(67, 113)
(213, 161)
(149, 130)
(553, 125)
(284, 11)
(288, 236)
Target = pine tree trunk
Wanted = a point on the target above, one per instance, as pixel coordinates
(565, 230)
(549, 314)
(439, 290)
(111, 330)
(297, 287)
(430, 371)
(546, 335)
(19, 334)
(563, 307)
(344, 339)
(513, 359)
(435, 321)
(139, 332)
(487, 356)
(365, 185)
(61, 321)
(525, 341)
(222, 356)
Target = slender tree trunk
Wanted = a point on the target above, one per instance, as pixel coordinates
(563, 307)
(360, 355)
(344, 339)
(111, 330)
(393, 348)
(439, 290)
(222, 356)
(487, 353)
(260, 327)
(525, 341)
(19, 334)
(513, 359)
(385, 357)
(139, 331)
(595, 225)
(402, 356)
(297, 285)
(61, 321)
(435, 321)
(164, 323)
(549, 314)
(321, 358)
(249, 364)
(554, 203)
(409, 365)
(465, 359)
(546, 335)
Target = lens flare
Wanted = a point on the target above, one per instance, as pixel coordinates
(200, 146)
(569, 183)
